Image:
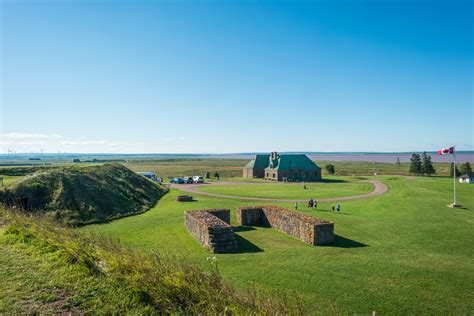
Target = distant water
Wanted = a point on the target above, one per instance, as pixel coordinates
(461, 157)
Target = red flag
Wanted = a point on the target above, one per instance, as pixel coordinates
(446, 151)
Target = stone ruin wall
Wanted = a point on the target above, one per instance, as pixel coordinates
(306, 228)
(184, 198)
(212, 229)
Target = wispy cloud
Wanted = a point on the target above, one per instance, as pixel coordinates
(83, 142)
(26, 142)
(31, 143)
(28, 135)
(173, 139)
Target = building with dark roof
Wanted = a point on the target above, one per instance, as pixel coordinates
(282, 167)
(255, 168)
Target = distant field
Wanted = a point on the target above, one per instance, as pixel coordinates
(232, 168)
(345, 187)
(348, 168)
(227, 168)
(404, 252)
(165, 168)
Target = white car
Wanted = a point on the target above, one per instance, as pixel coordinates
(198, 179)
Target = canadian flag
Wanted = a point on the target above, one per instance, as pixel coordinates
(446, 151)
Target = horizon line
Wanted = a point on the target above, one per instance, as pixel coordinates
(231, 153)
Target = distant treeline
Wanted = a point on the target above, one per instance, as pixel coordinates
(23, 164)
(98, 160)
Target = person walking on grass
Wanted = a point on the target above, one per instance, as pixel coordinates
(296, 206)
(315, 204)
(304, 185)
(338, 208)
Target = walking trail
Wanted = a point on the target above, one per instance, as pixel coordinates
(379, 189)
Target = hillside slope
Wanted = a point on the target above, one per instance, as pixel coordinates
(80, 195)
(52, 269)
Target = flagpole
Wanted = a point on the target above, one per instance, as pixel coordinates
(454, 174)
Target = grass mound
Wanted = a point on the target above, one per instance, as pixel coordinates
(81, 195)
(117, 280)
(23, 171)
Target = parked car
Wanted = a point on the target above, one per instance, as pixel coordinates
(177, 181)
(188, 180)
(198, 179)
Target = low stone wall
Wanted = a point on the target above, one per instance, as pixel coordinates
(309, 229)
(251, 216)
(221, 213)
(184, 198)
(211, 228)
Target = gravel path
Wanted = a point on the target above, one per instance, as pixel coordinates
(379, 189)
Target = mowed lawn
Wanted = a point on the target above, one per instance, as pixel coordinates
(402, 252)
(337, 187)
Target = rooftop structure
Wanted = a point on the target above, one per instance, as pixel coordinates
(282, 167)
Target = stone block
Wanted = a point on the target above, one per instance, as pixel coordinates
(212, 229)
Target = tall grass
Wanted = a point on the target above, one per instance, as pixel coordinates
(163, 285)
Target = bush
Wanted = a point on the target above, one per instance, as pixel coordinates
(330, 169)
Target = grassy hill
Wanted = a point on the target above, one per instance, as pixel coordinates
(80, 195)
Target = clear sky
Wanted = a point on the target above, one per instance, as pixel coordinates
(236, 76)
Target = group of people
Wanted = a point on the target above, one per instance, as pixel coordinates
(312, 203)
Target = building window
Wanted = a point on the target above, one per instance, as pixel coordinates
(267, 174)
(274, 175)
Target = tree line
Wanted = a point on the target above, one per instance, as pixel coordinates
(464, 169)
(422, 165)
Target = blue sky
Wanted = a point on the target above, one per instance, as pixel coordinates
(236, 76)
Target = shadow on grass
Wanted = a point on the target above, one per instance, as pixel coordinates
(245, 246)
(325, 211)
(332, 181)
(243, 229)
(342, 242)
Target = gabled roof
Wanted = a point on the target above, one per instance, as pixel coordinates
(259, 162)
(289, 161)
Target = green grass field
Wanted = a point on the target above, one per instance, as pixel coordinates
(402, 252)
(10, 180)
(317, 190)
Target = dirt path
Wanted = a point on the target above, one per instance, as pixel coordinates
(379, 189)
